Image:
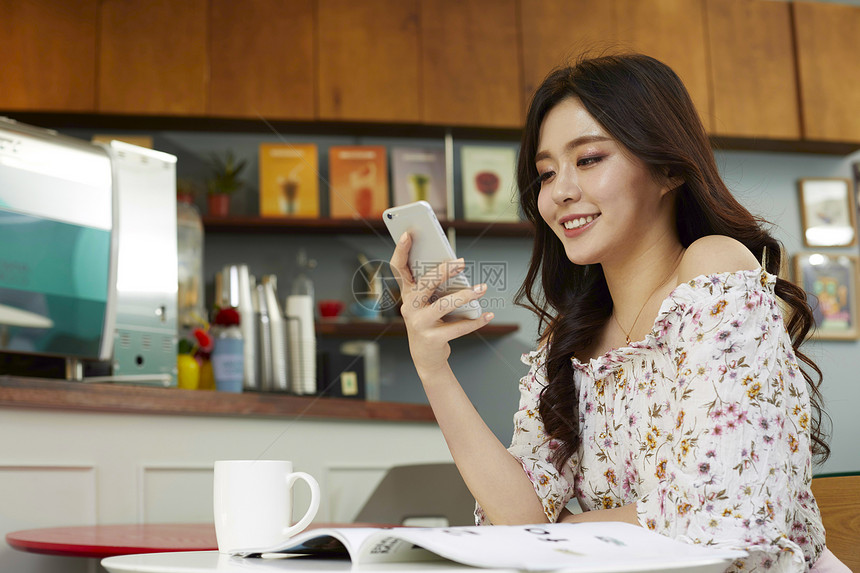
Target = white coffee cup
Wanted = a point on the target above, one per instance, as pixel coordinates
(253, 504)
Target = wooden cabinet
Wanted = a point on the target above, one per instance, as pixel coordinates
(673, 31)
(752, 69)
(369, 57)
(555, 32)
(828, 45)
(261, 59)
(152, 57)
(470, 63)
(49, 55)
(759, 72)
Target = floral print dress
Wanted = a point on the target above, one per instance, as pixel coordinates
(704, 425)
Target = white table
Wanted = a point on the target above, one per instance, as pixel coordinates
(214, 562)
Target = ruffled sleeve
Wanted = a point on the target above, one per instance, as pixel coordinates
(532, 447)
(740, 469)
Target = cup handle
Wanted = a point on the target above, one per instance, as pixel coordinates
(314, 505)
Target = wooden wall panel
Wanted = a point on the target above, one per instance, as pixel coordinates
(49, 55)
(152, 57)
(673, 31)
(828, 45)
(752, 69)
(470, 63)
(555, 32)
(369, 58)
(261, 59)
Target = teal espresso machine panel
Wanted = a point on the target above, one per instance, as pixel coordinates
(88, 260)
(56, 232)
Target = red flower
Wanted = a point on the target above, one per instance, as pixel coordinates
(227, 317)
(203, 339)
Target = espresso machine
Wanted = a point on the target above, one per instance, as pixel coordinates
(88, 259)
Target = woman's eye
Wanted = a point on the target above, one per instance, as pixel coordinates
(546, 176)
(585, 161)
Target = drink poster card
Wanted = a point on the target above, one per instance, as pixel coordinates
(289, 180)
(358, 179)
(139, 140)
(418, 174)
(489, 193)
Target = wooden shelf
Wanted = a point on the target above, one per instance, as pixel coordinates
(122, 398)
(152, 123)
(267, 126)
(502, 229)
(117, 398)
(243, 224)
(396, 328)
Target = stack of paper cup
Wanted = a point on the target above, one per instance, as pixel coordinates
(303, 344)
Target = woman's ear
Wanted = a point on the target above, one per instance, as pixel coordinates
(673, 179)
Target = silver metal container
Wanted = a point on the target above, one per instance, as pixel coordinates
(274, 376)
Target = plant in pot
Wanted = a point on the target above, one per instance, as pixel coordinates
(223, 182)
(186, 189)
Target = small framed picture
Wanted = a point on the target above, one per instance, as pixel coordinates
(830, 282)
(827, 212)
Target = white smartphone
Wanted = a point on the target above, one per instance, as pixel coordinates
(430, 248)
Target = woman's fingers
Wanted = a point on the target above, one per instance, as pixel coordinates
(421, 306)
(452, 330)
(400, 262)
(430, 281)
(448, 303)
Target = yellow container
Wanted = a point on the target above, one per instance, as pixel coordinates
(188, 372)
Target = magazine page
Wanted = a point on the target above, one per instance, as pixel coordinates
(334, 542)
(543, 547)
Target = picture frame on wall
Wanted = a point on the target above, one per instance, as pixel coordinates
(827, 210)
(830, 282)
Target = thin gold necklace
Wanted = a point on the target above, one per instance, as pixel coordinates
(635, 320)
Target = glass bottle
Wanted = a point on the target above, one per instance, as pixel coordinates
(189, 244)
(228, 353)
(302, 284)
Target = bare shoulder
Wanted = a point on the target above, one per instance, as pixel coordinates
(715, 254)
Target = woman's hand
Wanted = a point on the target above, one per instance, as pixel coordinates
(428, 333)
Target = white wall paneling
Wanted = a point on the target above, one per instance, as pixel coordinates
(45, 495)
(347, 487)
(169, 493)
(81, 468)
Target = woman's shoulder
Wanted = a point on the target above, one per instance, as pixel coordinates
(715, 254)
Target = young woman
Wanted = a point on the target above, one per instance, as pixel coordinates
(667, 388)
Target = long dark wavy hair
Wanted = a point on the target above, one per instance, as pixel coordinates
(644, 105)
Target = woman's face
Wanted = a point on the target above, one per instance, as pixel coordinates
(601, 201)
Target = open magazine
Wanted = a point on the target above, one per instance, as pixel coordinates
(545, 547)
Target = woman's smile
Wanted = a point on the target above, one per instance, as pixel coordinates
(575, 225)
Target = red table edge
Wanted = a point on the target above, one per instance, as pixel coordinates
(206, 531)
(18, 540)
